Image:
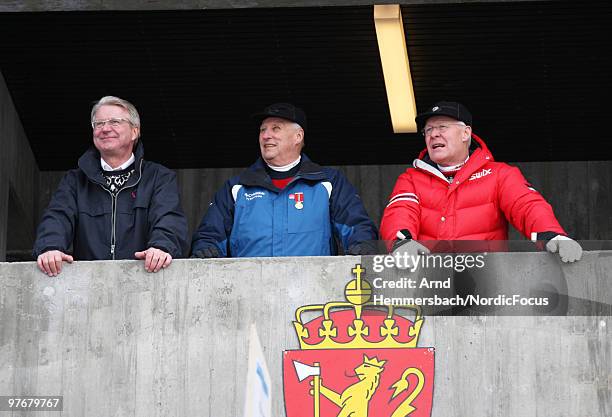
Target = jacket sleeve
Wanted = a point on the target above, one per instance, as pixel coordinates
(56, 228)
(523, 206)
(168, 225)
(216, 226)
(351, 222)
(403, 210)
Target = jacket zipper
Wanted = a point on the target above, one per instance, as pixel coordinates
(113, 221)
(114, 210)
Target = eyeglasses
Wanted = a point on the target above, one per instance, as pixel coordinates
(428, 131)
(112, 122)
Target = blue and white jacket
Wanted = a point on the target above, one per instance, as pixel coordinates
(251, 217)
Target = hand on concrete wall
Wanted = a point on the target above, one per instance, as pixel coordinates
(155, 259)
(50, 262)
(569, 250)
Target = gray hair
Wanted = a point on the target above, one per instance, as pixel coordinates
(297, 126)
(470, 140)
(116, 101)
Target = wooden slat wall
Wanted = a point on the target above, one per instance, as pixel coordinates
(579, 191)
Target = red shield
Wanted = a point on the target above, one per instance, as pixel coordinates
(400, 385)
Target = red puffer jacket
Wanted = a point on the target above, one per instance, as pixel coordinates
(477, 205)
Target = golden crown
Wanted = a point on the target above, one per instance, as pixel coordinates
(373, 361)
(346, 325)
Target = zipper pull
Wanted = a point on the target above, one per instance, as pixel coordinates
(113, 250)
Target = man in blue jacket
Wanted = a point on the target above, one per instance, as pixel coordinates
(284, 204)
(115, 205)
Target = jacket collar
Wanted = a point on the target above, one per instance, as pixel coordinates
(479, 155)
(257, 176)
(89, 163)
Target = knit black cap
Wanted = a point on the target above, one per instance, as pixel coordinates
(284, 111)
(446, 108)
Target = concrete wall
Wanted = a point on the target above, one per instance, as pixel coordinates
(116, 341)
(18, 179)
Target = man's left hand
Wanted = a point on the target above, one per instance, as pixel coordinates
(155, 259)
(569, 250)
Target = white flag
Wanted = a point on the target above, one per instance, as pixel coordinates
(258, 398)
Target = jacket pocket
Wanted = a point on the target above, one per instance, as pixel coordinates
(94, 210)
(128, 203)
(93, 232)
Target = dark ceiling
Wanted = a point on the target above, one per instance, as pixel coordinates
(536, 75)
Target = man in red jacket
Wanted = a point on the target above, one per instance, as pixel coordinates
(456, 191)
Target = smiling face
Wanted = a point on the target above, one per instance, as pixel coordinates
(280, 141)
(115, 143)
(448, 141)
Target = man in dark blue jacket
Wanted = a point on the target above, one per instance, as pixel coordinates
(284, 204)
(115, 205)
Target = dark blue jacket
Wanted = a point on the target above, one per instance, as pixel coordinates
(145, 213)
(250, 217)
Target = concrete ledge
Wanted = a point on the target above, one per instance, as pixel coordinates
(116, 341)
(95, 5)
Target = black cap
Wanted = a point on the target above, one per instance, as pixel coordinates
(284, 111)
(446, 108)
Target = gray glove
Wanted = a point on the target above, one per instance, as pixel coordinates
(406, 248)
(569, 250)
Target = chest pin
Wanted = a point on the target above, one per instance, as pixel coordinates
(299, 201)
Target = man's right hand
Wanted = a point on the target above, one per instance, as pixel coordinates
(406, 248)
(50, 262)
(411, 248)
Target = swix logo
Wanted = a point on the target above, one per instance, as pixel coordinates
(480, 174)
(257, 194)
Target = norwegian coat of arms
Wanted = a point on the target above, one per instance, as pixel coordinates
(358, 359)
